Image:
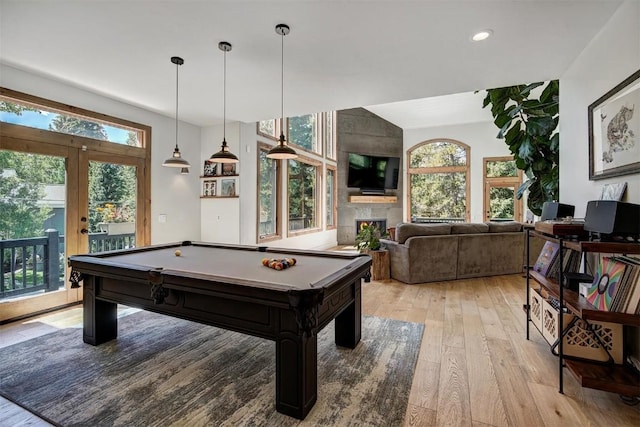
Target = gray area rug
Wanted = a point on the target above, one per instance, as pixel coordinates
(166, 371)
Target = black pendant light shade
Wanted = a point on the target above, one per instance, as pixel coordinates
(176, 160)
(282, 151)
(224, 155)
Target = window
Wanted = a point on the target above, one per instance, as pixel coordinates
(330, 135)
(501, 181)
(41, 117)
(303, 132)
(269, 128)
(438, 181)
(332, 204)
(303, 195)
(268, 196)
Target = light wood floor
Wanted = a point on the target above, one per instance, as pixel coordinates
(475, 367)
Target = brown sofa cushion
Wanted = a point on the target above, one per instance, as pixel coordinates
(504, 227)
(404, 231)
(469, 228)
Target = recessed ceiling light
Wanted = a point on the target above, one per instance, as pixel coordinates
(481, 35)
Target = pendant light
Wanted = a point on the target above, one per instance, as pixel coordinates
(184, 171)
(224, 155)
(282, 151)
(176, 160)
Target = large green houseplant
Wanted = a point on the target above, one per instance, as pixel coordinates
(528, 126)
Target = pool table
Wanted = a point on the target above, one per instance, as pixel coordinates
(227, 286)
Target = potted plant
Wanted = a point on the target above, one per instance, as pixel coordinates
(368, 238)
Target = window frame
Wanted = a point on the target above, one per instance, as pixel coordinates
(334, 201)
(466, 169)
(319, 138)
(500, 181)
(278, 199)
(276, 128)
(330, 154)
(317, 198)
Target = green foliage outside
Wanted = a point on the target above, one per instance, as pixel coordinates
(529, 127)
(302, 188)
(112, 188)
(302, 131)
(267, 193)
(438, 195)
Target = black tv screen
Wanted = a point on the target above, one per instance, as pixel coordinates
(373, 172)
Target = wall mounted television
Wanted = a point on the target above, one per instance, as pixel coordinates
(373, 173)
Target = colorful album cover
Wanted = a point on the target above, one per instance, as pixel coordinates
(605, 283)
(545, 259)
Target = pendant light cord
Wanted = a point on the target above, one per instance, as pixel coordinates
(224, 100)
(177, 65)
(282, 81)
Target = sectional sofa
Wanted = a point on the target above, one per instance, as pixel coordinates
(447, 251)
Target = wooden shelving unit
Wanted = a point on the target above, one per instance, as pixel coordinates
(621, 379)
(357, 198)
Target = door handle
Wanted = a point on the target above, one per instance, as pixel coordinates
(84, 231)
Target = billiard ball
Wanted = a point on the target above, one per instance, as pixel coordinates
(178, 252)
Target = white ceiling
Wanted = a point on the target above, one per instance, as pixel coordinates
(340, 54)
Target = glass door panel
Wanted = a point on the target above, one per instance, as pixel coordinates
(112, 206)
(501, 203)
(33, 218)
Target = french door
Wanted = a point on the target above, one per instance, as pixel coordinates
(501, 181)
(84, 195)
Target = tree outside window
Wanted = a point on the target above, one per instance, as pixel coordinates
(303, 201)
(438, 181)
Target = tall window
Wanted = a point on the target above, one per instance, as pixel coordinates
(268, 195)
(303, 195)
(438, 181)
(330, 135)
(303, 132)
(332, 205)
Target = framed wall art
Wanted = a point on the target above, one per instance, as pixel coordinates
(209, 168)
(209, 187)
(228, 169)
(228, 187)
(614, 131)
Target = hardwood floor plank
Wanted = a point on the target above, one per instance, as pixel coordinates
(454, 407)
(424, 390)
(419, 417)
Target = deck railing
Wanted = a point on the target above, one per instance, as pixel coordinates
(37, 264)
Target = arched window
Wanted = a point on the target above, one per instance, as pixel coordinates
(439, 181)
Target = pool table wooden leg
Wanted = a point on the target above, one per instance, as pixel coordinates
(100, 318)
(349, 322)
(296, 368)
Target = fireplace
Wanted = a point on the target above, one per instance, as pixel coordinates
(380, 223)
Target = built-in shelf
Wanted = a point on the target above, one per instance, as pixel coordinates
(219, 197)
(359, 198)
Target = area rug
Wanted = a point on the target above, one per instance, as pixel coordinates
(166, 371)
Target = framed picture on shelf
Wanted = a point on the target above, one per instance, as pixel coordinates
(228, 169)
(228, 187)
(209, 168)
(614, 131)
(613, 191)
(209, 187)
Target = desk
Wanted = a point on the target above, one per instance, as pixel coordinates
(228, 287)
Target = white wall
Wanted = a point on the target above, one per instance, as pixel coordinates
(172, 194)
(481, 137)
(612, 56)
